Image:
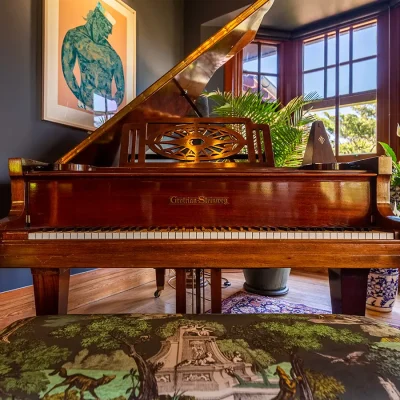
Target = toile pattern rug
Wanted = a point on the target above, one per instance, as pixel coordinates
(250, 303)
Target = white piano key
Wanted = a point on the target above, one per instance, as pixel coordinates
(157, 235)
(382, 235)
(249, 235)
(235, 235)
(256, 235)
(102, 235)
(109, 235)
(312, 235)
(361, 235)
(31, 236)
(136, 235)
(81, 236)
(53, 235)
(270, 235)
(192, 235)
(122, 235)
(354, 235)
(326, 235)
(284, 235)
(347, 235)
(95, 235)
(185, 235)
(375, 235)
(214, 235)
(319, 235)
(200, 235)
(207, 235)
(179, 235)
(334, 235)
(368, 235)
(297, 235)
(143, 235)
(228, 235)
(390, 235)
(115, 235)
(46, 236)
(151, 235)
(87, 235)
(276, 235)
(164, 235)
(242, 235)
(290, 235)
(340, 235)
(305, 235)
(59, 235)
(263, 235)
(172, 235)
(221, 235)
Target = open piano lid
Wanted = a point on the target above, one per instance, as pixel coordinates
(175, 93)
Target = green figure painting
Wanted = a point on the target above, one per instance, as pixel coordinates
(98, 62)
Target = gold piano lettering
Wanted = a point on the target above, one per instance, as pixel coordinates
(198, 200)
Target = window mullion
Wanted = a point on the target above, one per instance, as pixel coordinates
(325, 66)
(351, 61)
(259, 68)
(337, 126)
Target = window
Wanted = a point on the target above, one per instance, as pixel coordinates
(260, 69)
(341, 68)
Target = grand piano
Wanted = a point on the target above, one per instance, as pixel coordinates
(155, 187)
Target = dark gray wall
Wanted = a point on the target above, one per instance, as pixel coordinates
(22, 132)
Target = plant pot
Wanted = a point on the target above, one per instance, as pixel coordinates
(266, 281)
(382, 289)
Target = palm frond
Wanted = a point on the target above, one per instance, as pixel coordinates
(289, 124)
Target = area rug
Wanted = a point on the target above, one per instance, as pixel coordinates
(250, 303)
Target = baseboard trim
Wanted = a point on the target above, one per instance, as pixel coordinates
(85, 288)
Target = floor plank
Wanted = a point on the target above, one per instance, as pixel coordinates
(306, 288)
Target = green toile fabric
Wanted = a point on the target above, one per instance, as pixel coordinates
(147, 357)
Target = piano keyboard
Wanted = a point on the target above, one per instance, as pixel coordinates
(217, 233)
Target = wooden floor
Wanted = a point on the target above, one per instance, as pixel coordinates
(136, 295)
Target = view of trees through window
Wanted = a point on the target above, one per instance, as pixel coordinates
(341, 67)
(260, 70)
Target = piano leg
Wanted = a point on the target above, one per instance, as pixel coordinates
(348, 287)
(216, 291)
(160, 281)
(180, 291)
(51, 286)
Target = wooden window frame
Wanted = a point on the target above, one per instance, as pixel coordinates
(337, 101)
(233, 69)
(290, 63)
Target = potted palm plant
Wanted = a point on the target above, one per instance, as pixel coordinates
(289, 131)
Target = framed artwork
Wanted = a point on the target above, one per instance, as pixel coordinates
(89, 60)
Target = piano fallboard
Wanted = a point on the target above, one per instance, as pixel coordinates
(192, 198)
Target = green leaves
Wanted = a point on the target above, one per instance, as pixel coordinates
(396, 167)
(288, 123)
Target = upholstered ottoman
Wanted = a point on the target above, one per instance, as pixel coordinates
(199, 357)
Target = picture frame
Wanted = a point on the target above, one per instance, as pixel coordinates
(89, 60)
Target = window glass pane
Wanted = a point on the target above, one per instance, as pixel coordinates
(250, 82)
(332, 50)
(331, 84)
(344, 79)
(314, 54)
(357, 129)
(364, 75)
(327, 116)
(268, 87)
(364, 41)
(250, 58)
(314, 82)
(344, 46)
(269, 59)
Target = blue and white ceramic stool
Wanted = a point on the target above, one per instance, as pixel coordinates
(382, 289)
